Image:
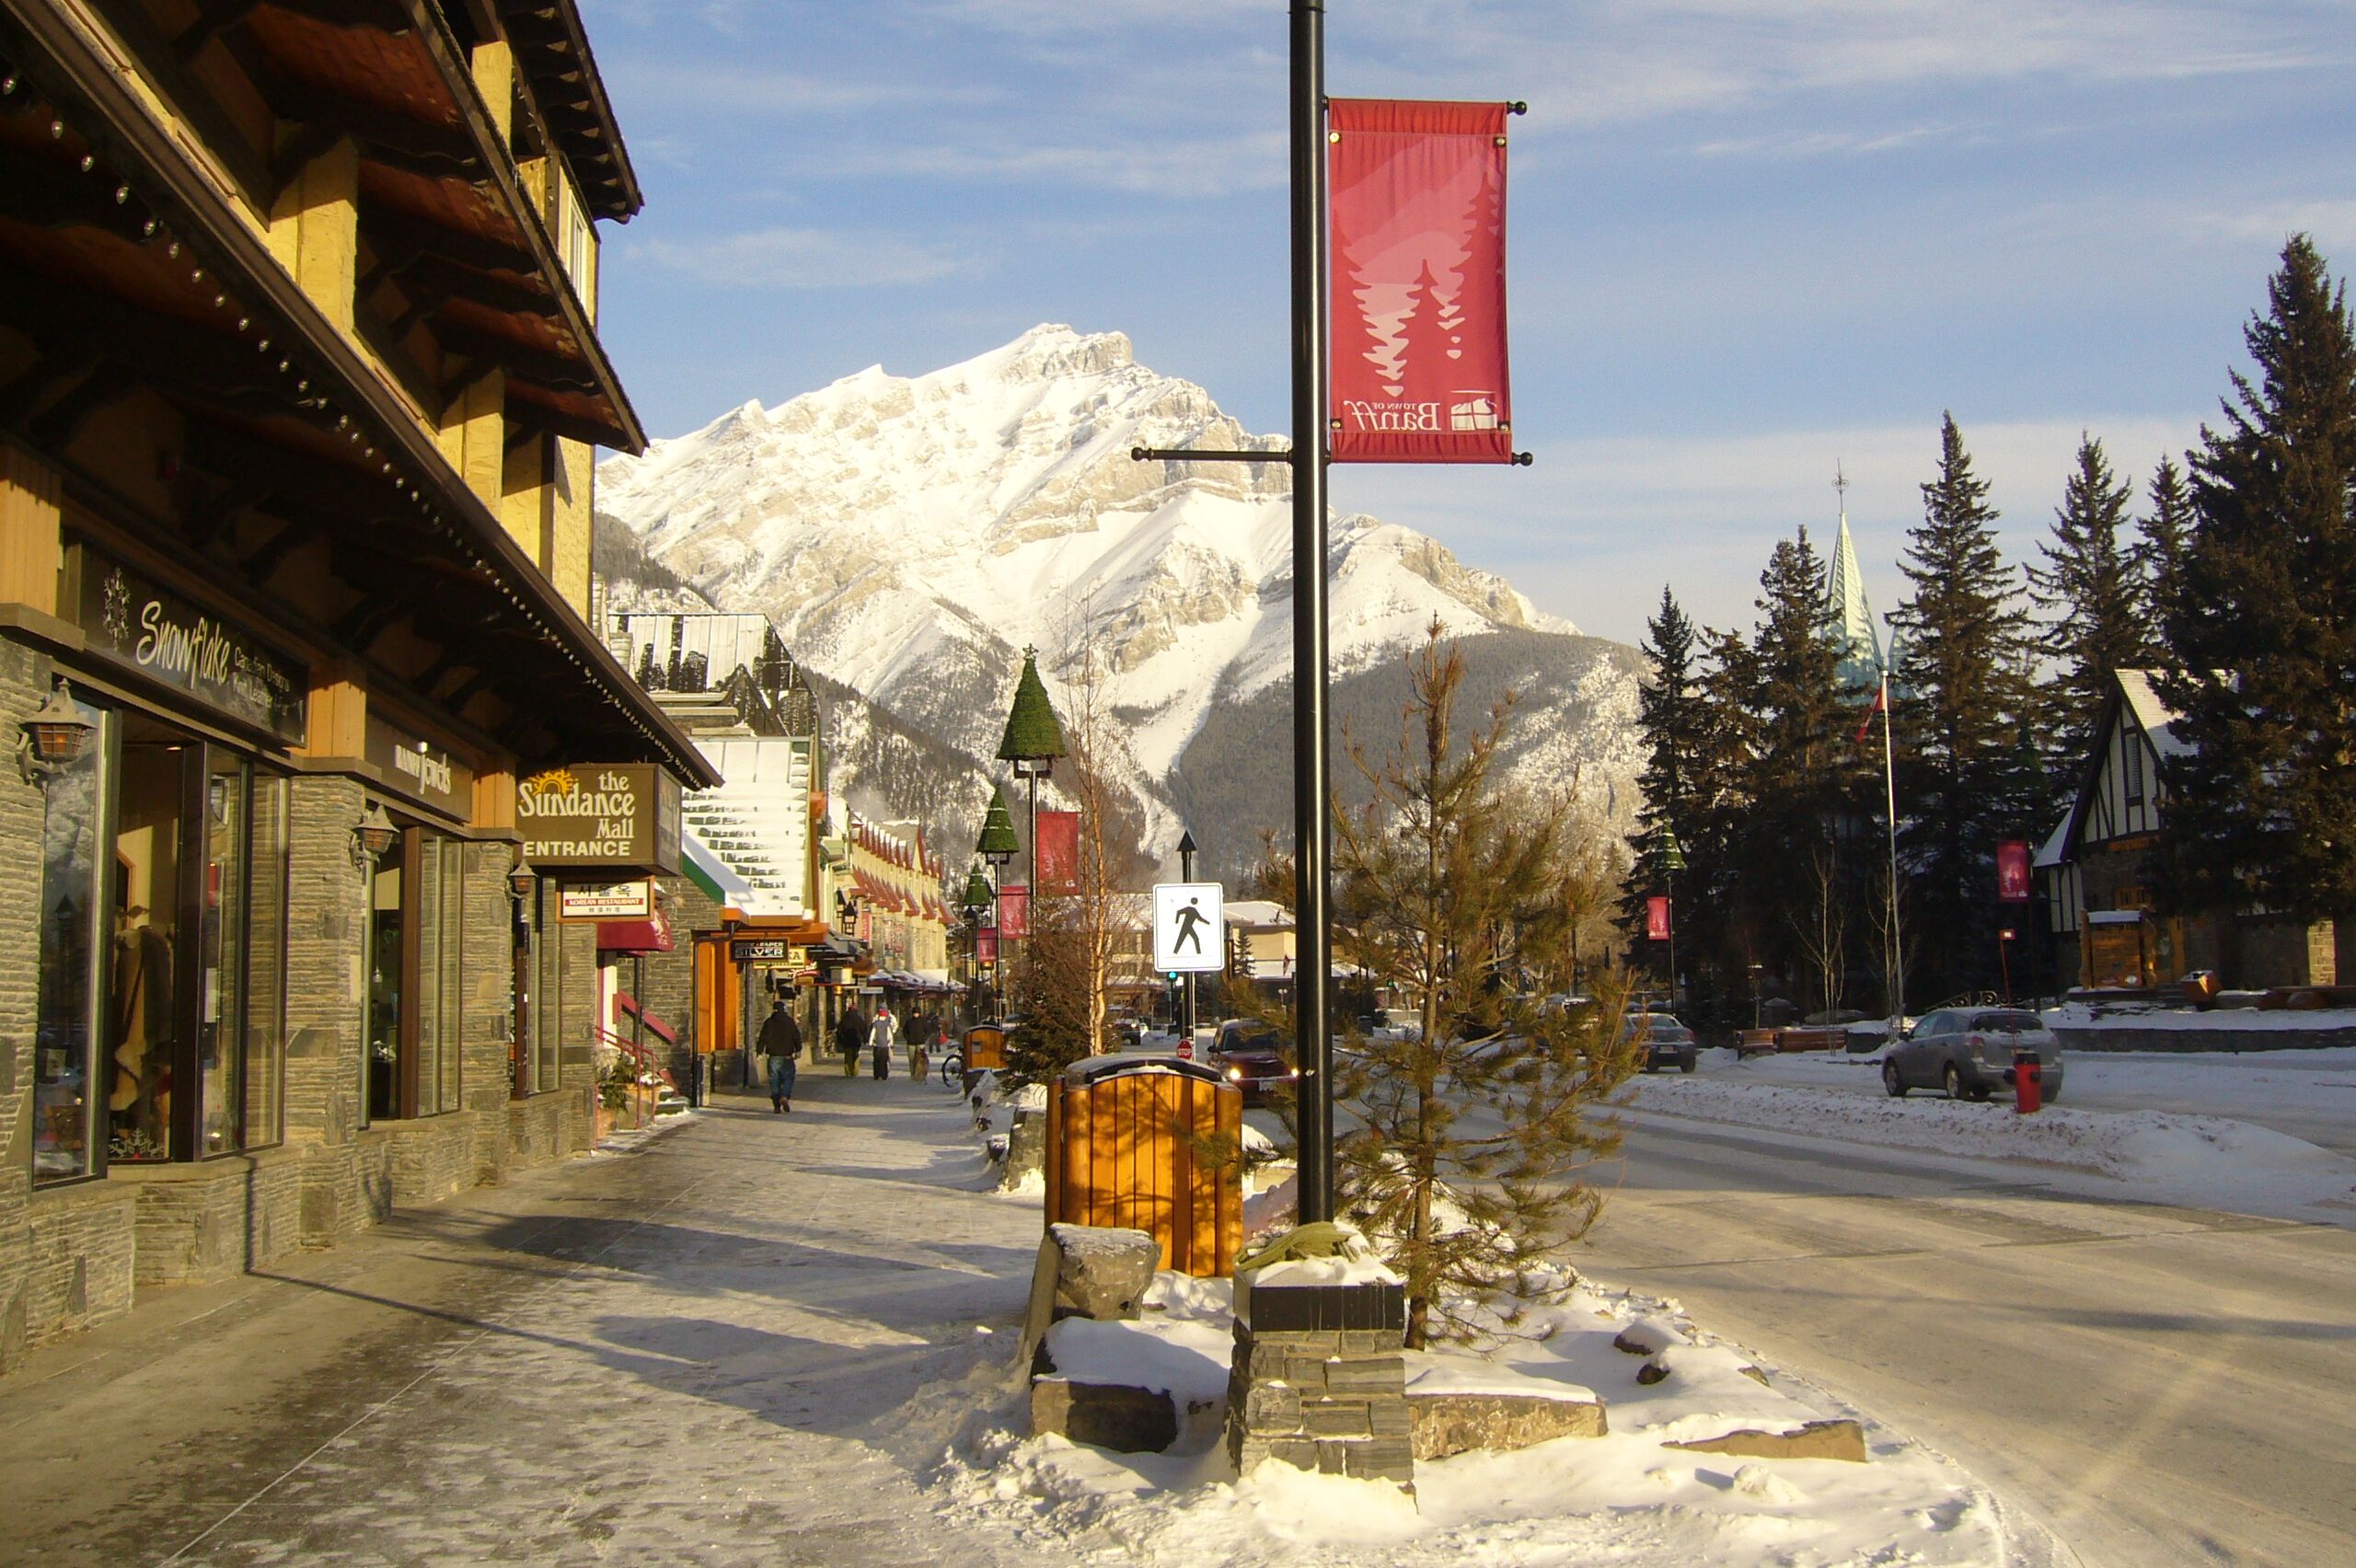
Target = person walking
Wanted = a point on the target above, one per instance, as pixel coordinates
(780, 1042)
(850, 1033)
(882, 1036)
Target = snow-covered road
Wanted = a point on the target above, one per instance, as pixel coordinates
(2308, 1095)
(2164, 1385)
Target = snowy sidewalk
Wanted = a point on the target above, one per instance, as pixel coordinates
(694, 1351)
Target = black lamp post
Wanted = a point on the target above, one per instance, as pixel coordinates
(977, 899)
(1032, 742)
(1672, 860)
(998, 845)
(1187, 995)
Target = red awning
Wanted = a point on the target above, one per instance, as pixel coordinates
(634, 935)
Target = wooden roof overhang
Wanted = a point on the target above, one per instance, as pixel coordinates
(124, 269)
(552, 52)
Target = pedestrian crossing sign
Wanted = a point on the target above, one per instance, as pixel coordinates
(1189, 926)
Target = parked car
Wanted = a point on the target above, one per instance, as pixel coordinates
(1249, 1055)
(1968, 1053)
(1667, 1044)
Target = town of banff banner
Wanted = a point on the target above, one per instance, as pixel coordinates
(1419, 235)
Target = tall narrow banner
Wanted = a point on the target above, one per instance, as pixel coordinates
(985, 945)
(1013, 912)
(1419, 285)
(2011, 871)
(1657, 918)
(1059, 852)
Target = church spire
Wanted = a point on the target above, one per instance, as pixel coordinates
(1855, 635)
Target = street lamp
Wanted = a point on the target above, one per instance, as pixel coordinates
(1672, 860)
(1032, 742)
(998, 845)
(2005, 961)
(1186, 874)
(978, 897)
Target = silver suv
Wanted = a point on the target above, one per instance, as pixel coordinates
(1967, 1052)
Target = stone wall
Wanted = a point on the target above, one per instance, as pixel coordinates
(23, 681)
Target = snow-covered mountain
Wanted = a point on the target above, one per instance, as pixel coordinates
(911, 537)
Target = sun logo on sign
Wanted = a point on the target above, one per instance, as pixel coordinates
(554, 781)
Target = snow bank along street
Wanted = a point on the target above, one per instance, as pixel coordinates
(2086, 1307)
(764, 1340)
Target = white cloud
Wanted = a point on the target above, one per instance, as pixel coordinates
(2332, 225)
(1595, 529)
(1143, 163)
(803, 258)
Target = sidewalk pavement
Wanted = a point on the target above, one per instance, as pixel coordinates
(696, 1351)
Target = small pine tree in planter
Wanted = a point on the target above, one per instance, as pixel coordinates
(1469, 1137)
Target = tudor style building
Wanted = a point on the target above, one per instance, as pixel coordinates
(299, 382)
(2095, 881)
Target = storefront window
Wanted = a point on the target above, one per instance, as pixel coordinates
(143, 1020)
(416, 909)
(441, 904)
(547, 995)
(221, 971)
(72, 904)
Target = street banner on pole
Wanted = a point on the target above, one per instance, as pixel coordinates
(1657, 918)
(1189, 927)
(1418, 295)
(1014, 911)
(2011, 871)
(985, 945)
(1059, 852)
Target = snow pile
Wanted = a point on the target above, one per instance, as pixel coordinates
(1624, 1498)
(2230, 1020)
(2205, 1161)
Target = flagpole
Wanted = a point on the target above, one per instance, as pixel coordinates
(1896, 957)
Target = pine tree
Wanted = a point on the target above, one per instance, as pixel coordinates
(1963, 698)
(1669, 716)
(1445, 884)
(2262, 623)
(1787, 854)
(2091, 588)
(2159, 552)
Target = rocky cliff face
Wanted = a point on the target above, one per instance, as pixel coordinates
(911, 537)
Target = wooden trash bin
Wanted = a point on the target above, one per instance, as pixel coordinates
(985, 1048)
(1131, 1142)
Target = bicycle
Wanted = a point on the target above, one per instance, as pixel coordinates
(953, 1071)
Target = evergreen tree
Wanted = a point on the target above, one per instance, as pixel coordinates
(2091, 589)
(1716, 933)
(1963, 698)
(1787, 843)
(1445, 884)
(2159, 552)
(1670, 715)
(2262, 622)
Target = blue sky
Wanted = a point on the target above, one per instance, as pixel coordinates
(1747, 240)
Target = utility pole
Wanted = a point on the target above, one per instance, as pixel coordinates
(1312, 1038)
(1186, 997)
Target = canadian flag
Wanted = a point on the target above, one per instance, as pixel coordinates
(1881, 701)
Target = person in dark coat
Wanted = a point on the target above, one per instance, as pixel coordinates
(780, 1042)
(850, 1034)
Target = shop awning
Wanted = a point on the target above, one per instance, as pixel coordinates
(634, 935)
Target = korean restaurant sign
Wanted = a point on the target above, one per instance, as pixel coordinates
(621, 818)
(146, 629)
(418, 769)
(607, 901)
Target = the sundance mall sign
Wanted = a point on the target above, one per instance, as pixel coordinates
(615, 818)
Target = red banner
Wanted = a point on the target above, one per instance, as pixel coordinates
(1419, 287)
(1059, 852)
(1657, 918)
(985, 945)
(2011, 871)
(1014, 911)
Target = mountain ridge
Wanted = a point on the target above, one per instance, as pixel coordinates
(911, 535)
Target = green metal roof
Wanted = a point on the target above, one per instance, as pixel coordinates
(1031, 733)
(998, 827)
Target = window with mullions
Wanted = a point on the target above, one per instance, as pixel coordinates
(66, 1089)
(416, 940)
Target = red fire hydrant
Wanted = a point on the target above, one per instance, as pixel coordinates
(2028, 1082)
